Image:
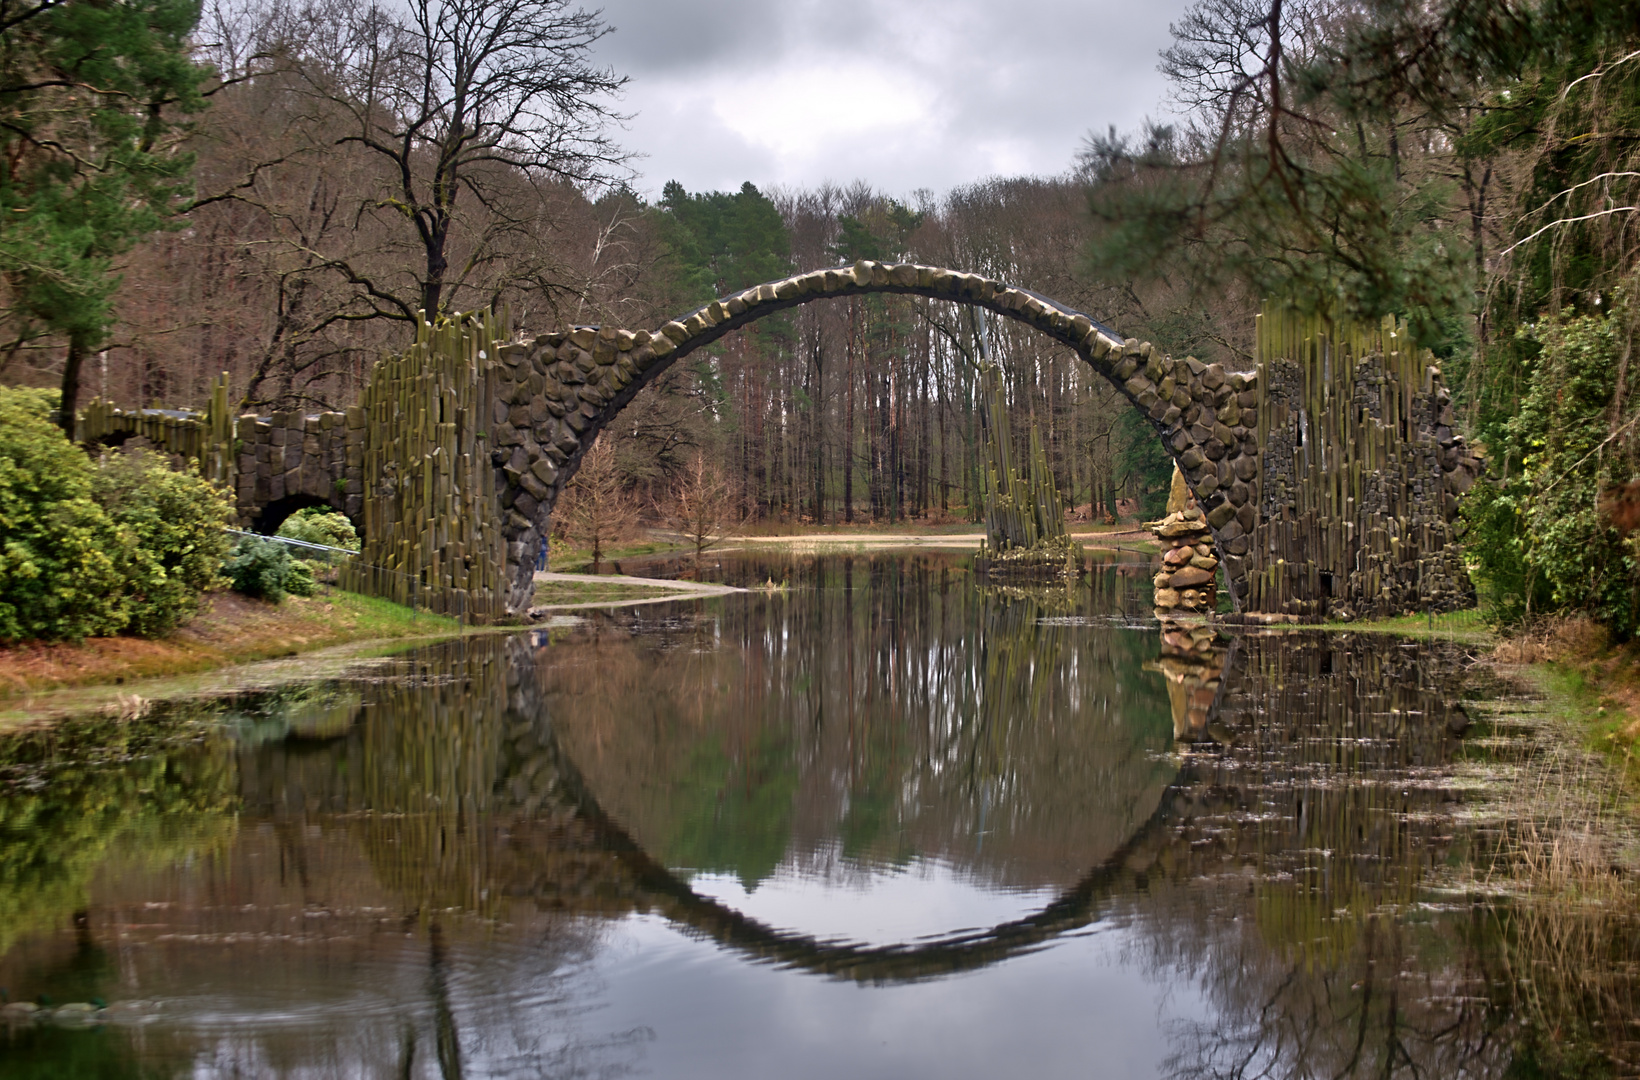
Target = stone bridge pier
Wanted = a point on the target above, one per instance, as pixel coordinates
(1327, 468)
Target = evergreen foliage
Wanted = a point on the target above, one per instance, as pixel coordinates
(321, 525)
(723, 243)
(264, 570)
(173, 540)
(88, 91)
(126, 544)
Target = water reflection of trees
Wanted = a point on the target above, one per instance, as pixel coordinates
(881, 708)
(443, 818)
(157, 789)
(1309, 832)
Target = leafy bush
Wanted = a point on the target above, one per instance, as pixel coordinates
(60, 552)
(172, 523)
(321, 525)
(265, 569)
(1538, 540)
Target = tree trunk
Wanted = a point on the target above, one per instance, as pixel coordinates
(77, 350)
(848, 421)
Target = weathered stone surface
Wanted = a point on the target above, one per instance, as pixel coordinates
(1211, 418)
(1172, 528)
(1190, 577)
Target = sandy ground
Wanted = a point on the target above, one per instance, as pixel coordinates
(676, 590)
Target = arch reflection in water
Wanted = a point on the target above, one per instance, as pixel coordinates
(879, 712)
(486, 868)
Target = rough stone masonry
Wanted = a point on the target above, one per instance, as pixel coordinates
(1328, 480)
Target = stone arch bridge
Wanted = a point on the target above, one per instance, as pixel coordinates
(1327, 469)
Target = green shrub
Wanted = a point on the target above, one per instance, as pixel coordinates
(265, 569)
(321, 525)
(60, 552)
(1537, 540)
(173, 524)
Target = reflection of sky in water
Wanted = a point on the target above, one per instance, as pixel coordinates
(879, 905)
(834, 765)
(649, 999)
(1072, 1010)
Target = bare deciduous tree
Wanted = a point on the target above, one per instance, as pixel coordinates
(596, 509)
(461, 102)
(704, 505)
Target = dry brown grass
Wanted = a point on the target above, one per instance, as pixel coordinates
(1553, 640)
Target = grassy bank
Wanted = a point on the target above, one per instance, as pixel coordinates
(231, 630)
(1467, 626)
(1594, 682)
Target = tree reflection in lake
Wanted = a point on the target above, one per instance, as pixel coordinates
(564, 853)
(876, 712)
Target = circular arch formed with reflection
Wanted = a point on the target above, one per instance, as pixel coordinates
(672, 897)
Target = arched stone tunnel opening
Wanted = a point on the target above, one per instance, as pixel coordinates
(270, 517)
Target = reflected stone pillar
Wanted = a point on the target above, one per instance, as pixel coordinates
(1192, 662)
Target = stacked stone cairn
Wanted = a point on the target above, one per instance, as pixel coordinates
(1188, 581)
(1192, 662)
(1192, 658)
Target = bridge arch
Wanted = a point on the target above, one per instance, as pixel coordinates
(1329, 473)
(274, 513)
(568, 386)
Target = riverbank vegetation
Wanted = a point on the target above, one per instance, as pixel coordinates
(124, 543)
(232, 629)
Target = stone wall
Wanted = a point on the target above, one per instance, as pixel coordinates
(290, 457)
(1327, 472)
(1357, 493)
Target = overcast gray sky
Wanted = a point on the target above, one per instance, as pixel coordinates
(904, 94)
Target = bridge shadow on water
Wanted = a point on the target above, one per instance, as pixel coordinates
(336, 873)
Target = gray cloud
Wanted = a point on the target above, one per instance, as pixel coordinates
(905, 95)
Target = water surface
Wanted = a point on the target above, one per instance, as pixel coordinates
(880, 821)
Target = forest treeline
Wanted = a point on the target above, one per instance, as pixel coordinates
(275, 189)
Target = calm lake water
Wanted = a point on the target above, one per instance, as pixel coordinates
(879, 823)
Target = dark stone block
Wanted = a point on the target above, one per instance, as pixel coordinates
(532, 485)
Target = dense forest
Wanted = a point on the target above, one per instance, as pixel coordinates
(276, 189)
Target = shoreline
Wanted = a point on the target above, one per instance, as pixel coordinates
(230, 633)
(665, 590)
